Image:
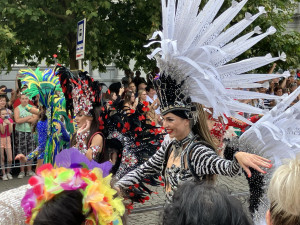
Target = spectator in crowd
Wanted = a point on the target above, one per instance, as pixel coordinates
(23, 137)
(132, 87)
(112, 96)
(111, 99)
(142, 86)
(130, 102)
(3, 104)
(289, 81)
(128, 78)
(150, 115)
(254, 102)
(284, 195)
(203, 204)
(293, 87)
(291, 78)
(278, 91)
(282, 83)
(142, 96)
(285, 91)
(151, 97)
(264, 103)
(16, 98)
(138, 79)
(6, 128)
(3, 90)
(118, 89)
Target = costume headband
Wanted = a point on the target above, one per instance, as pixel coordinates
(99, 202)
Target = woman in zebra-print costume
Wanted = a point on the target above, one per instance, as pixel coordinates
(188, 153)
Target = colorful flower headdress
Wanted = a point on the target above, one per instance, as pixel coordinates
(98, 196)
(82, 92)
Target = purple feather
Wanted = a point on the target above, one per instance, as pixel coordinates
(72, 158)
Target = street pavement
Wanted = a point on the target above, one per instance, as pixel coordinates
(150, 213)
(237, 186)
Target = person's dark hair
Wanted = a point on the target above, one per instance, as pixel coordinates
(115, 87)
(63, 209)
(2, 109)
(6, 98)
(127, 97)
(95, 124)
(156, 70)
(111, 95)
(131, 83)
(114, 146)
(3, 96)
(196, 203)
(277, 89)
(149, 86)
(138, 73)
(42, 117)
(285, 90)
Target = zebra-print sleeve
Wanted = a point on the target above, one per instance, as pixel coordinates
(206, 161)
(151, 167)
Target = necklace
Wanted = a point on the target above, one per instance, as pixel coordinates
(178, 145)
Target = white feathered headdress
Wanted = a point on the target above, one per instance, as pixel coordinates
(276, 136)
(195, 52)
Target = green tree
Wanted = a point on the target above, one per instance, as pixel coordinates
(33, 30)
(116, 31)
(279, 14)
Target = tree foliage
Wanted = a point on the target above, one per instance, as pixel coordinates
(33, 30)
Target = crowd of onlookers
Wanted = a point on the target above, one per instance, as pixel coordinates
(15, 129)
(134, 92)
(17, 124)
(193, 203)
(279, 87)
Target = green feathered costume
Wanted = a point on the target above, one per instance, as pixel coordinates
(45, 85)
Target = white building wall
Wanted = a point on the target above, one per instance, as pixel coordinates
(295, 24)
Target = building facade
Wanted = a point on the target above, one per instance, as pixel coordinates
(295, 25)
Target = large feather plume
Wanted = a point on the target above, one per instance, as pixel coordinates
(196, 47)
(275, 136)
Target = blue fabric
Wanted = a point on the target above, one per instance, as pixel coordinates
(42, 127)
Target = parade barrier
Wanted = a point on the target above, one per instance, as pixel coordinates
(17, 142)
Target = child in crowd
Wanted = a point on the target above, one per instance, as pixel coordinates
(6, 128)
(3, 104)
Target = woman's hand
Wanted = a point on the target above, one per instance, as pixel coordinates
(247, 160)
(85, 128)
(156, 102)
(121, 91)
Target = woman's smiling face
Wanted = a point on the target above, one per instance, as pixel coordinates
(176, 126)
